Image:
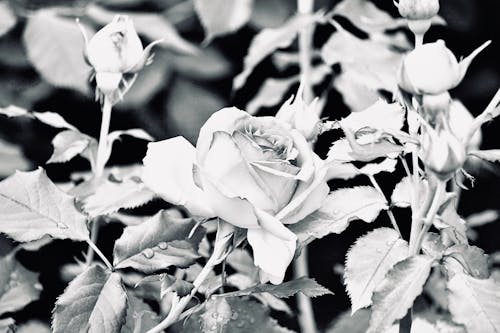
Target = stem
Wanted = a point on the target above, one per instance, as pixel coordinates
(415, 198)
(436, 203)
(419, 39)
(100, 254)
(305, 7)
(93, 238)
(102, 149)
(389, 211)
(306, 313)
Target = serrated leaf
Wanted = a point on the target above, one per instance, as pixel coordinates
(94, 301)
(397, 292)
(269, 40)
(31, 206)
(221, 17)
(49, 118)
(245, 316)
(158, 243)
(113, 196)
(368, 261)
(68, 144)
(152, 26)
(55, 47)
(140, 317)
(18, 286)
(170, 283)
(475, 303)
(379, 116)
(8, 18)
(338, 210)
(306, 286)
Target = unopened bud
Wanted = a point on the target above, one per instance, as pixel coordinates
(443, 153)
(418, 9)
(436, 105)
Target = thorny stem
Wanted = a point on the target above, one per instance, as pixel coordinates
(306, 314)
(100, 254)
(389, 211)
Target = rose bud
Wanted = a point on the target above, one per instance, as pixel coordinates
(113, 51)
(443, 153)
(418, 9)
(436, 106)
(433, 69)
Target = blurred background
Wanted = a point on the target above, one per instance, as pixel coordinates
(186, 83)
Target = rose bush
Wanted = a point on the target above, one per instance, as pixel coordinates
(256, 173)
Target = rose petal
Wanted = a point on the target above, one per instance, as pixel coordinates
(308, 197)
(224, 120)
(305, 157)
(271, 253)
(236, 211)
(168, 171)
(227, 168)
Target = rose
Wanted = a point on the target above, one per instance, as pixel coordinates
(418, 9)
(433, 69)
(116, 50)
(256, 173)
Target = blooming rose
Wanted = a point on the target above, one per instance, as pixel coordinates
(256, 173)
(116, 50)
(433, 69)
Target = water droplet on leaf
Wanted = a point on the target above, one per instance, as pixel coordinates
(148, 253)
(234, 315)
(163, 245)
(240, 324)
(62, 226)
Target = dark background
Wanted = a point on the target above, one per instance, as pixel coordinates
(470, 23)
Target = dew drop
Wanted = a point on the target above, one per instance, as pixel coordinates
(251, 320)
(234, 315)
(240, 324)
(13, 275)
(38, 286)
(163, 245)
(148, 253)
(388, 243)
(379, 250)
(335, 212)
(62, 226)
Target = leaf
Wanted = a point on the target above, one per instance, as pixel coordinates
(113, 196)
(8, 18)
(402, 193)
(68, 144)
(221, 17)
(368, 261)
(152, 26)
(271, 13)
(170, 283)
(31, 206)
(474, 303)
(140, 317)
(34, 326)
(368, 17)
(12, 159)
(158, 243)
(473, 260)
(269, 40)
(491, 155)
(18, 286)
(338, 210)
(49, 118)
(397, 292)
(242, 316)
(349, 322)
(94, 301)
(349, 149)
(55, 47)
(137, 133)
(379, 116)
(207, 65)
(306, 286)
(270, 93)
